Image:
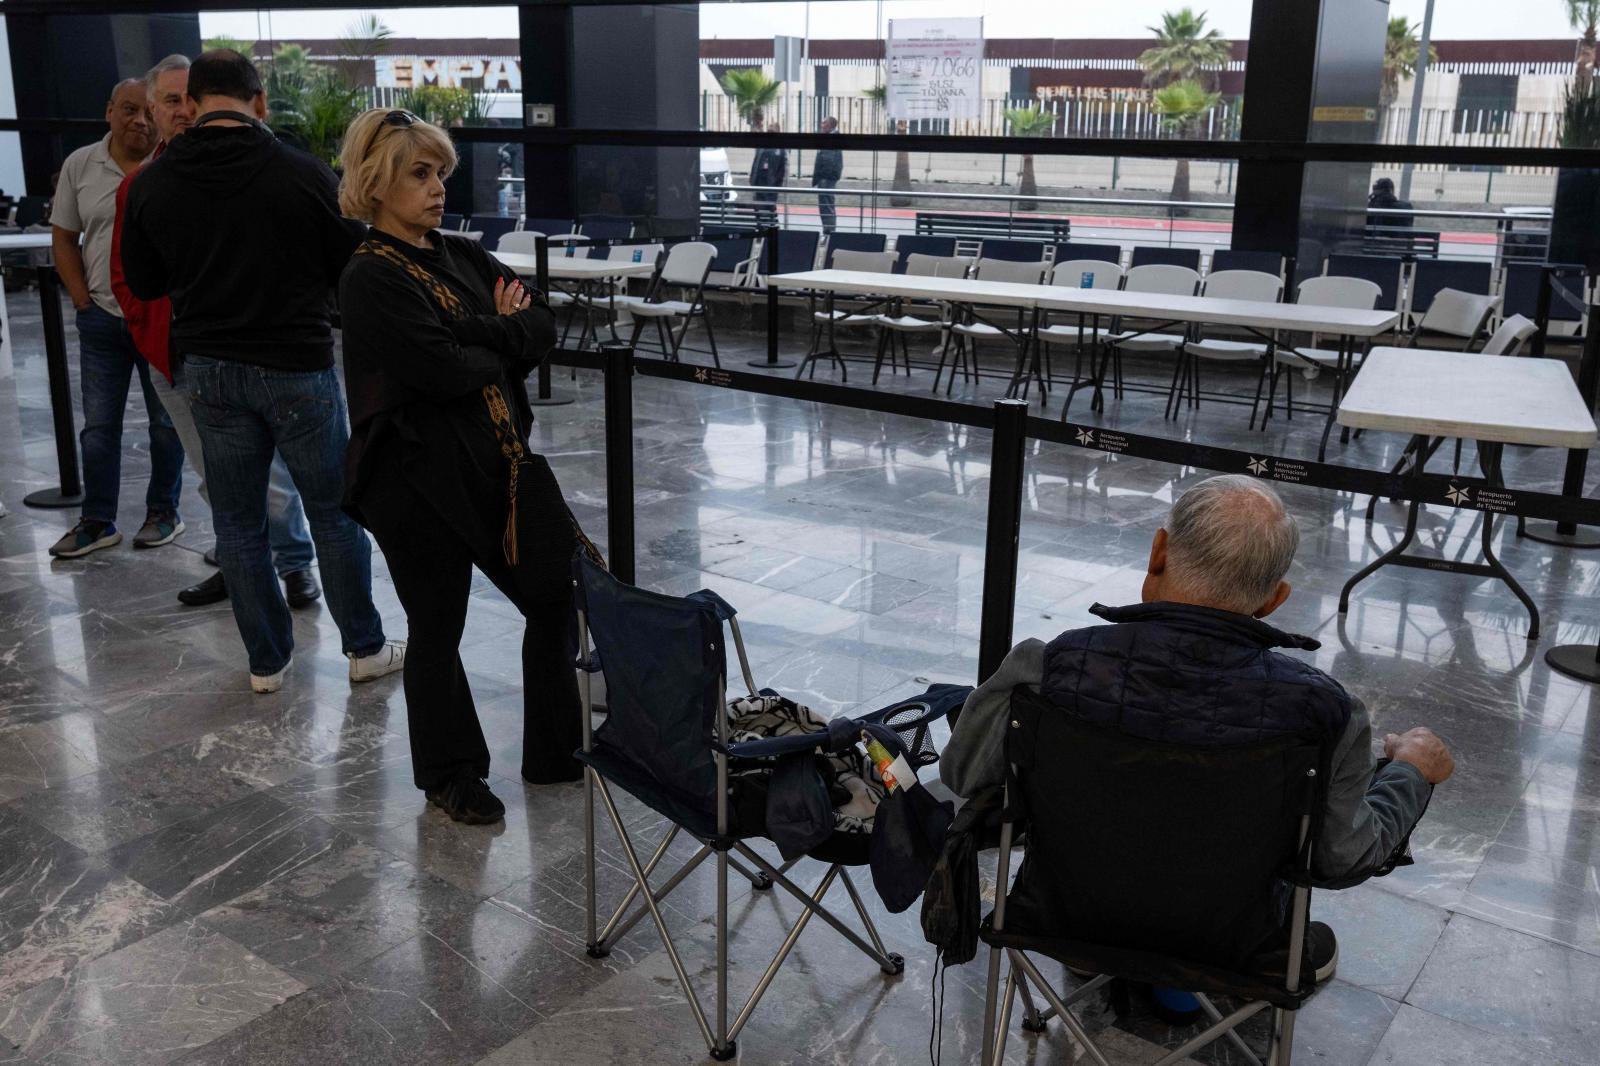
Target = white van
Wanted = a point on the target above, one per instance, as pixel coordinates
(714, 171)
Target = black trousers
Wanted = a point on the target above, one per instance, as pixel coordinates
(430, 559)
(826, 212)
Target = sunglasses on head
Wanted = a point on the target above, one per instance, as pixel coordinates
(400, 118)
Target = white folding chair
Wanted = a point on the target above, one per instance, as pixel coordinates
(896, 324)
(968, 329)
(830, 317)
(1508, 339)
(685, 267)
(1327, 290)
(1457, 314)
(1255, 285)
(1073, 274)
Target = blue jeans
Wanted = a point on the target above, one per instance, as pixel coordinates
(107, 361)
(244, 413)
(286, 519)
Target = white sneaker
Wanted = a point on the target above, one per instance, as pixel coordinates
(262, 685)
(386, 660)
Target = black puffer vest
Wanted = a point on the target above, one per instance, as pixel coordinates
(1192, 675)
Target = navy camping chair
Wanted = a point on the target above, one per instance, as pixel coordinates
(493, 227)
(1382, 270)
(1429, 276)
(853, 242)
(910, 244)
(1011, 250)
(1105, 253)
(1520, 292)
(665, 742)
(797, 251)
(1151, 255)
(1231, 259)
(1237, 828)
(452, 222)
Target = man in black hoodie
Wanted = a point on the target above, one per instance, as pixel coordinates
(244, 234)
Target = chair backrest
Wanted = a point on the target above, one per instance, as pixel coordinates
(872, 262)
(1183, 853)
(665, 672)
(1150, 255)
(937, 266)
(910, 244)
(492, 227)
(1457, 314)
(1232, 259)
(1244, 285)
(1509, 337)
(1382, 270)
(1108, 253)
(1519, 292)
(519, 241)
(1012, 250)
(1163, 278)
(1432, 276)
(1356, 294)
(731, 250)
(1009, 270)
(854, 242)
(447, 223)
(797, 251)
(606, 229)
(551, 226)
(1069, 273)
(688, 263)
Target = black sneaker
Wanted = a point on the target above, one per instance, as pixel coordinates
(1319, 962)
(468, 799)
(301, 589)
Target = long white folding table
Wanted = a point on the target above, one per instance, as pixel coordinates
(1261, 317)
(15, 242)
(586, 273)
(1493, 399)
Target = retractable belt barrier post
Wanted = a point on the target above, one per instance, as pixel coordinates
(619, 365)
(70, 492)
(770, 238)
(1003, 531)
(1565, 534)
(541, 279)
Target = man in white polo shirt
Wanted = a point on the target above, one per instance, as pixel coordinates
(86, 208)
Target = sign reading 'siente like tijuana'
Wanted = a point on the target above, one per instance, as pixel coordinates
(935, 68)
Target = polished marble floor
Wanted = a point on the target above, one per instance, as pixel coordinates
(189, 873)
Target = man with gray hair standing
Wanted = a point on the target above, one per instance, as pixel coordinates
(1194, 664)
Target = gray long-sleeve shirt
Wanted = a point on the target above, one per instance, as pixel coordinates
(1366, 817)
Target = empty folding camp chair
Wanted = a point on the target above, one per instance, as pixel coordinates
(968, 326)
(1457, 314)
(908, 244)
(1171, 864)
(830, 317)
(666, 742)
(898, 322)
(1432, 276)
(1519, 294)
(1082, 331)
(1357, 294)
(1230, 259)
(1011, 249)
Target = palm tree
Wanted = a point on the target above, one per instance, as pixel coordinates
(1180, 105)
(1400, 51)
(902, 160)
(1030, 121)
(1185, 50)
(752, 92)
(1584, 15)
(244, 48)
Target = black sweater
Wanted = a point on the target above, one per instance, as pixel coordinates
(244, 234)
(413, 371)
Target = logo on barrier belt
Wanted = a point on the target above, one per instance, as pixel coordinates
(1259, 466)
(1085, 436)
(1458, 495)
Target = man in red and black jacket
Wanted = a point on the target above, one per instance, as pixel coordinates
(150, 323)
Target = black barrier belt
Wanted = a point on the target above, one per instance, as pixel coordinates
(1463, 492)
(1466, 493)
(822, 392)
